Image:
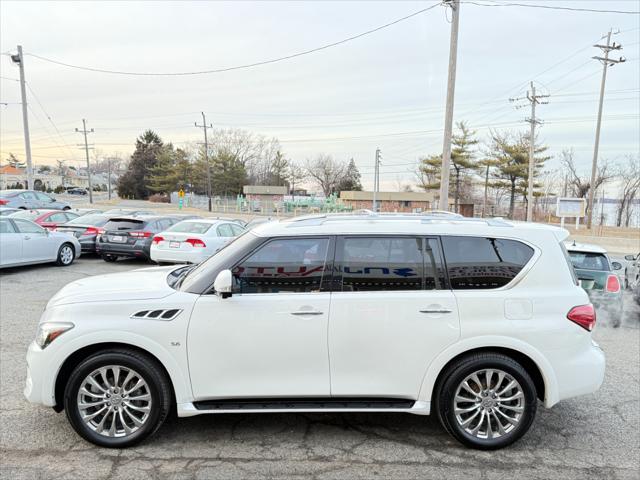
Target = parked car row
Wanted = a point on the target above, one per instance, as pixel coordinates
(30, 199)
(114, 234)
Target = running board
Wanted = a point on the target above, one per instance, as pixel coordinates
(281, 405)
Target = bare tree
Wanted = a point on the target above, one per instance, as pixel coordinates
(325, 172)
(629, 175)
(296, 174)
(579, 184)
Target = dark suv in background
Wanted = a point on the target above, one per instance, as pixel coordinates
(131, 236)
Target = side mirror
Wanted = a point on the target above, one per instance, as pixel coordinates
(631, 258)
(616, 265)
(223, 284)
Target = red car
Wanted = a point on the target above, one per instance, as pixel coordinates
(48, 219)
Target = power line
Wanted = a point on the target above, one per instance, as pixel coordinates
(240, 67)
(549, 7)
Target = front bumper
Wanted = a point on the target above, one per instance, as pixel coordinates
(40, 382)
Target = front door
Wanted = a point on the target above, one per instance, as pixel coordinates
(391, 315)
(269, 339)
(10, 243)
(36, 243)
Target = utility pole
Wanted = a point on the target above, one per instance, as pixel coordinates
(86, 150)
(534, 99)
(204, 126)
(19, 59)
(109, 177)
(448, 117)
(606, 62)
(376, 180)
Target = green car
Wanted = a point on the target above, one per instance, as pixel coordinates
(597, 276)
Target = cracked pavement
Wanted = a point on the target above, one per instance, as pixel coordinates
(594, 436)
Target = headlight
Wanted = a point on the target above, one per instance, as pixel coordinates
(49, 331)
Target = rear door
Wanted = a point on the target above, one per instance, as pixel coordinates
(391, 314)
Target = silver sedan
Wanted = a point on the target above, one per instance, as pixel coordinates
(23, 242)
(30, 200)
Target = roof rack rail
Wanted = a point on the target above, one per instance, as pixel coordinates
(436, 216)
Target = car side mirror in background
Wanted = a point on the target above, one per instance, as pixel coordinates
(631, 258)
(616, 265)
(223, 284)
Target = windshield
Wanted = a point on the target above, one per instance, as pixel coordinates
(205, 272)
(26, 214)
(92, 219)
(589, 261)
(190, 227)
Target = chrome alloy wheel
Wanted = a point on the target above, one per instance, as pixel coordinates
(489, 404)
(66, 255)
(114, 401)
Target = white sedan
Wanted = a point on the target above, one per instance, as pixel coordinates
(193, 241)
(23, 242)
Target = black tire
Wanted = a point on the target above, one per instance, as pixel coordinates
(159, 389)
(455, 375)
(109, 258)
(66, 255)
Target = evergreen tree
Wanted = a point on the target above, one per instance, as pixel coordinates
(136, 180)
(351, 179)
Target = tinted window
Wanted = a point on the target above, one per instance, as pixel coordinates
(6, 227)
(190, 227)
(57, 217)
(378, 263)
(123, 224)
(25, 226)
(480, 263)
(283, 265)
(589, 261)
(224, 230)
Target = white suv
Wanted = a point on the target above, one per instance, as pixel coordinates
(473, 320)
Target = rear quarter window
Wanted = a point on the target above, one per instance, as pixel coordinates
(483, 262)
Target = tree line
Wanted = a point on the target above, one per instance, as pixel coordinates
(235, 158)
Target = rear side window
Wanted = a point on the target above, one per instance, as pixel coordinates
(483, 263)
(589, 261)
(6, 227)
(389, 263)
(123, 224)
(283, 265)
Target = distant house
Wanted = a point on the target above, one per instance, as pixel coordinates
(10, 176)
(408, 202)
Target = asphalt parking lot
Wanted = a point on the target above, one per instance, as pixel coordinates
(595, 436)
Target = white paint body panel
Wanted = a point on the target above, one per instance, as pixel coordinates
(362, 344)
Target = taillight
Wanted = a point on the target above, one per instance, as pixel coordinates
(3, 202)
(140, 234)
(195, 242)
(157, 239)
(92, 231)
(613, 284)
(583, 315)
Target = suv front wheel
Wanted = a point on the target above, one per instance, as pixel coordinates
(117, 398)
(486, 401)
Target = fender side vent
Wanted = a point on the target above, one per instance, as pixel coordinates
(166, 315)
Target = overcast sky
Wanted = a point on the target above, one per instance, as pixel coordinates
(383, 90)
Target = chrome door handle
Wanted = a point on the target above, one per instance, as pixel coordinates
(307, 312)
(437, 310)
(27, 237)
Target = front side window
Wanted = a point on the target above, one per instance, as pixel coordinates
(25, 226)
(283, 265)
(43, 198)
(387, 263)
(6, 226)
(483, 263)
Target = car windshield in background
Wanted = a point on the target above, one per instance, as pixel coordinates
(123, 224)
(589, 261)
(190, 227)
(91, 219)
(26, 214)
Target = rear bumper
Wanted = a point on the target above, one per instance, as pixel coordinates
(580, 373)
(132, 251)
(177, 256)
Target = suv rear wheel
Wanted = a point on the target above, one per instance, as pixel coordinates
(117, 398)
(486, 401)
